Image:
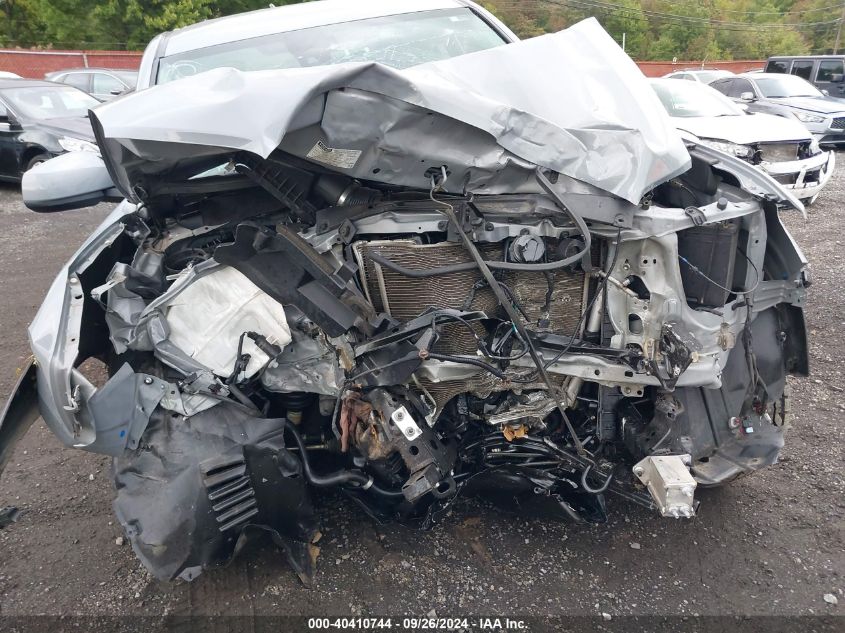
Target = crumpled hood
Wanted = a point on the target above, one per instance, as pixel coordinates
(744, 128)
(572, 102)
(822, 105)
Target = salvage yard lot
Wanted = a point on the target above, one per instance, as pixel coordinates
(771, 544)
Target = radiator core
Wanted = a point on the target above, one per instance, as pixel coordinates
(406, 297)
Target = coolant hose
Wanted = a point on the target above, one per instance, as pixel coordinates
(356, 478)
(384, 492)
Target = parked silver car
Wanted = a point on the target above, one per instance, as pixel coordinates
(703, 76)
(103, 84)
(789, 96)
(781, 147)
(395, 265)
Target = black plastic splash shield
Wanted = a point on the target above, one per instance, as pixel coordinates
(196, 487)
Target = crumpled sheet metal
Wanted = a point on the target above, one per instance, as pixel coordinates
(308, 364)
(572, 102)
(120, 410)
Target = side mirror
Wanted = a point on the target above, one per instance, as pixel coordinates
(69, 181)
(748, 97)
(825, 93)
(116, 92)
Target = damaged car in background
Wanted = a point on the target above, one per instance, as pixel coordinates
(781, 147)
(412, 286)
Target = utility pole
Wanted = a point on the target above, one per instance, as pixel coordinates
(839, 30)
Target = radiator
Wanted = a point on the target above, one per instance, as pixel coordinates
(406, 297)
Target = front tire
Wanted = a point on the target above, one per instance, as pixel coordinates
(37, 160)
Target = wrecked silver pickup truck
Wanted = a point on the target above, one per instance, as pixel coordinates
(459, 278)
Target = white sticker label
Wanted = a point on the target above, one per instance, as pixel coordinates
(343, 158)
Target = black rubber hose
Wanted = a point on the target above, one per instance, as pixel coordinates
(424, 272)
(496, 265)
(359, 479)
(336, 478)
(384, 492)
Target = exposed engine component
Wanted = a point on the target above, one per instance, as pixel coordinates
(547, 302)
(212, 319)
(391, 428)
(527, 249)
(668, 479)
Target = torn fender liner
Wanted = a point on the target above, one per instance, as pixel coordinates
(572, 102)
(195, 487)
(732, 430)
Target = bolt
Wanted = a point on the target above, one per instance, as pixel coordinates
(399, 416)
(148, 381)
(639, 471)
(687, 490)
(73, 281)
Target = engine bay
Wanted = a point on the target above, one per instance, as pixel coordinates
(282, 327)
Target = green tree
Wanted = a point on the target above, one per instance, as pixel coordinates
(20, 22)
(108, 24)
(653, 29)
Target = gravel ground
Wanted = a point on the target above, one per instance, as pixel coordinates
(768, 544)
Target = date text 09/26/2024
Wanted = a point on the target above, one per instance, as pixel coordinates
(418, 624)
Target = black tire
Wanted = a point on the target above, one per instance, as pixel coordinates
(37, 160)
